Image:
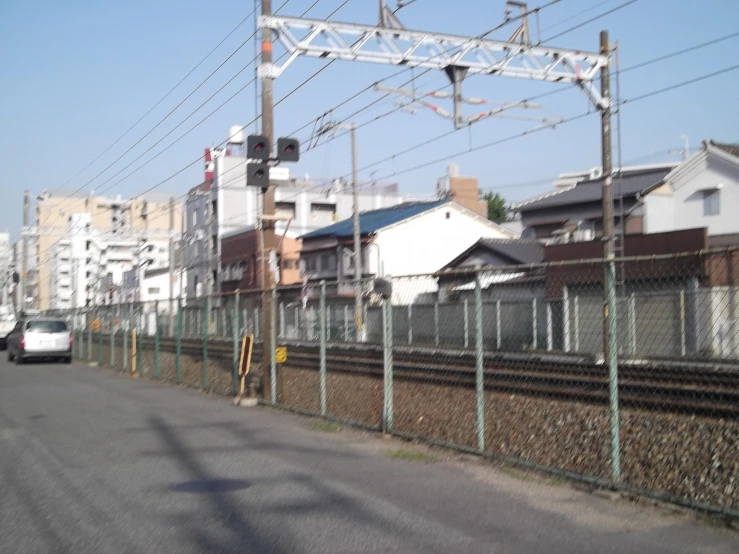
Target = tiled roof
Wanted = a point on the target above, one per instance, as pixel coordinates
(372, 221)
(732, 149)
(519, 250)
(591, 191)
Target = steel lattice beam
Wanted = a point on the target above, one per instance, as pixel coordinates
(353, 42)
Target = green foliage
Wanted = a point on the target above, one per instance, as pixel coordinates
(496, 207)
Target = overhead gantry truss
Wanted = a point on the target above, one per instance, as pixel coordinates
(463, 55)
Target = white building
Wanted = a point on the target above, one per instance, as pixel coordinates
(223, 204)
(701, 192)
(6, 269)
(416, 238)
(152, 286)
(88, 266)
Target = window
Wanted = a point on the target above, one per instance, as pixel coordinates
(285, 209)
(46, 326)
(310, 263)
(194, 218)
(288, 264)
(153, 290)
(328, 262)
(322, 213)
(711, 202)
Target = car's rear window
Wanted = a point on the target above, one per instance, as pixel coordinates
(46, 326)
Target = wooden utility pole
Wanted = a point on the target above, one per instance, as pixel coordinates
(268, 198)
(357, 241)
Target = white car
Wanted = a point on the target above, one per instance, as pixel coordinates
(40, 337)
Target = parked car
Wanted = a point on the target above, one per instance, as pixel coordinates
(40, 337)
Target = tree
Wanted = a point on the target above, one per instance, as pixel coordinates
(496, 207)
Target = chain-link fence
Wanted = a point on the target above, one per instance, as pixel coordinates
(511, 362)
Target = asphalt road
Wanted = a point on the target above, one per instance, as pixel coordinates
(91, 461)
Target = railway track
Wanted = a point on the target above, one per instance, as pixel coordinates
(702, 388)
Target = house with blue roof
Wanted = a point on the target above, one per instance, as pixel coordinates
(413, 238)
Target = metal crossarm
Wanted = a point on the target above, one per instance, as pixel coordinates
(353, 42)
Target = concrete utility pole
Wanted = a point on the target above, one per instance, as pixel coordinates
(609, 289)
(172, 270)
(331, 127)
(24, 258)
(357, 239)
(268, 198)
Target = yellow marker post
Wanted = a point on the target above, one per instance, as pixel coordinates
(133, 351)
(281, 354)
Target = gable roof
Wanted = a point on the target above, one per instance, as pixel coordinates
(518, 251)
(732, 149)
(627, 185)
(374, 220)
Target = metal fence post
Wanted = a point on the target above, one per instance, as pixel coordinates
(297, 323)
(479, 366)
(632, 323)
(256, 322)
(611, 350)
(273, 347)
(436, 324)
(498, 330)
(125, 341)
(534, 326)
(89, 340)
(236, 332)
(156, 339)
(550, 330)
(328, 323)
(322, 330)
(566, 318)
(387, 343)
(410, 324)
(282, 320)
(100, 341)
(576, 308)
(112, 346)
(206, 321)
(466, 324)
(346, 323)
(139, 341)
(178, 342)
(682, 323)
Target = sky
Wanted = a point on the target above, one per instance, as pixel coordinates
(78, 74)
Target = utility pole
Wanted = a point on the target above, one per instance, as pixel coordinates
(24, 259)
(357, 240)
(609, 288)
(172, 270)
(268, 198)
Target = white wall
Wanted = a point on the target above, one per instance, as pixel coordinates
(686, 211)
(424, 244)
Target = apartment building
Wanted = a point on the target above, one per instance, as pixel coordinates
(222, 205)
(114, 227)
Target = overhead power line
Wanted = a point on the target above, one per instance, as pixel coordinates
(567, 120)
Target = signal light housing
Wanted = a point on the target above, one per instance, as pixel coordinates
(288, 149)
(257, 175)
(257, 147)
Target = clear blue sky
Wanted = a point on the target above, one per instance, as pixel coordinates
(76, 74)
